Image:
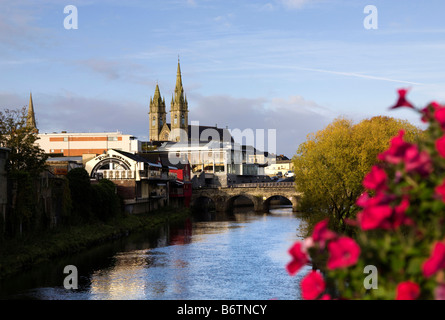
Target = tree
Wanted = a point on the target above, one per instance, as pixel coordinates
(15, 134)
(81, 194)
(25, 163)
(106, 202)
(331, 164)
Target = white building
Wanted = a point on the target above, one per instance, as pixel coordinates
(77, 144)
(142, 184)
(217, 163)
(279, 167)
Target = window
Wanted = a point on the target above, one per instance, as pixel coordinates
(154, 121)
(182, 120)
(176, 119)
(112, 138)
(65, 139)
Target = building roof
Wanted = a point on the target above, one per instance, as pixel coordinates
(64, 133)
(137, 158)
(224, 134)
(162, 157)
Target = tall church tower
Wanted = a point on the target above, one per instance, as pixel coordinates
(31, 119)
(179, 109)
(157, 115)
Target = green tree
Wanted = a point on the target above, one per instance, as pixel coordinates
(25, 163)
(331, 164)
(15, 134)
(106, 202)
(81, 194)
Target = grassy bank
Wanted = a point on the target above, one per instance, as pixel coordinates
(19, 254)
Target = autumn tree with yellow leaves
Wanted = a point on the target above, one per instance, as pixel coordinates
(331, 164)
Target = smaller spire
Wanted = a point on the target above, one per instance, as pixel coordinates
(157, 92)
(31, 119)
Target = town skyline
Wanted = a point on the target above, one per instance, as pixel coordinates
(287, 65)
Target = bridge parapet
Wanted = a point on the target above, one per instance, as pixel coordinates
(253, 185)
(259, 193)
(265, 185)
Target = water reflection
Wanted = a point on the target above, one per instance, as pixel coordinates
(216, 256)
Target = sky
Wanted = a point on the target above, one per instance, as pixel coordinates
(287, 65)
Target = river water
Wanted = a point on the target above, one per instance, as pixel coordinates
(237, 256)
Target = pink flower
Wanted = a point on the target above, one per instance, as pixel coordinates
(321, 233)
(379, 213)
(343, 252)
(440, 146)
(376, 179)
(374, 217)
(402, 102)
(299, 258)
(429, 110)
(440, 190)
(366, 201)
(439, 115)
(439, 292)
(396, 153)
(401, 151)
(436, 261)
(407, 290)
(416, 161)
(312, 286)
(398, 217)
(307, 244)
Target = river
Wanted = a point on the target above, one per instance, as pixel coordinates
(237, 256)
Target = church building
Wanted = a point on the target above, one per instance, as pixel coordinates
(211, 152)
(160, 130)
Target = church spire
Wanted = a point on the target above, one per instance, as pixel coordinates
(157, 94)
(31, 119)
(179, 109)
(179, 90)
(157, 114)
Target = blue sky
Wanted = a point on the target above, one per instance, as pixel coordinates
(289, 65)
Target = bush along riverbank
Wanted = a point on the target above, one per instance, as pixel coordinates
(22, 253)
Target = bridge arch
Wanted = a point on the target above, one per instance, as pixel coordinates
(245, 199)
(204, 202)
(280, 199)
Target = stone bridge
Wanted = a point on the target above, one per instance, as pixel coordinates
(260, 194)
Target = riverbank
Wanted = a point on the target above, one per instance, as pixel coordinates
(21, 254)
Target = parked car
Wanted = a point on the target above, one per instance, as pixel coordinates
(288, 174)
